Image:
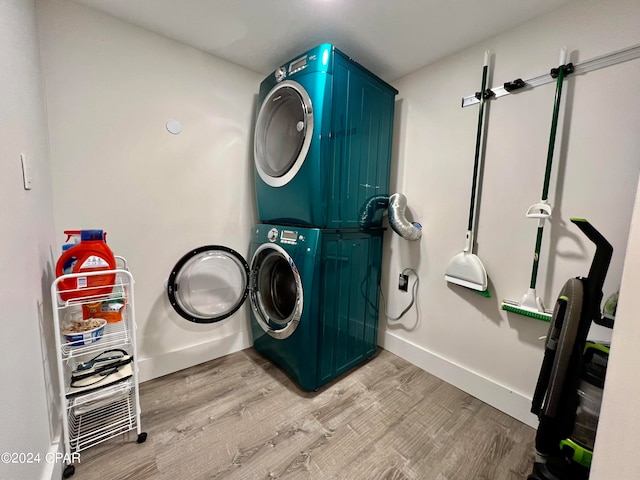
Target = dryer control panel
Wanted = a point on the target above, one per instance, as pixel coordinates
(297, 65)
(318, 59)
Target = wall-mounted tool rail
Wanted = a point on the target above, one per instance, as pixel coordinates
(607, 60)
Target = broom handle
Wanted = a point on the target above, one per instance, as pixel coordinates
(547, 173)
(476, 162)
(536, 255)
(554, 123)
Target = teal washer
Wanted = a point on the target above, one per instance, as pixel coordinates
(329, 279)
(322, 142)
(313, 295)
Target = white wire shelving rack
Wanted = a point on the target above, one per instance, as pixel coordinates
(103, 412)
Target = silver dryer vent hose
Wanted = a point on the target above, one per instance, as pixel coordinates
(398, 220)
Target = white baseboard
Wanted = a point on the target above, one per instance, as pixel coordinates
(159, 365)
(506, 400)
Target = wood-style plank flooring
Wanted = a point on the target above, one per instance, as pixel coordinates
(240, 417)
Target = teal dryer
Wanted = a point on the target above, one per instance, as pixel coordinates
(314, 296)
(322, 142)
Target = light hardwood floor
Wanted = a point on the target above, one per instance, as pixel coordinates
(240, 417)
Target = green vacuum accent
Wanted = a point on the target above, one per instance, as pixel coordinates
(580, 455)
(513, 307)
(611, 305)
(597, 346)
(484, 293)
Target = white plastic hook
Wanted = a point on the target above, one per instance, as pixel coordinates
(539, 210)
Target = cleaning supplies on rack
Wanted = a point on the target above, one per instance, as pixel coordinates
(73, 238)
(91, 255)
(111, 309)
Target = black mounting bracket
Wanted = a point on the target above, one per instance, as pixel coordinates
(568, 68)
(488, 93)
(517, 84)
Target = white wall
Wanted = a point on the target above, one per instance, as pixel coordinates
(111, 87)
(28, 415)
(616, 450)
(459, 335)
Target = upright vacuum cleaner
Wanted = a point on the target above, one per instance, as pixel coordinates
(569, 388)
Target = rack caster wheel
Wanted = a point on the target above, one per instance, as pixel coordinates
(141, 438)
(68, 471)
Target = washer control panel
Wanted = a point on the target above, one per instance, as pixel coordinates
(289, 237)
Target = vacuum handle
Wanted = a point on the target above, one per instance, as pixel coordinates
(592, 234)
(543, 381)
(542, 384)
(602, 257)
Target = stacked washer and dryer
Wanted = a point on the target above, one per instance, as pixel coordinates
(322, 153)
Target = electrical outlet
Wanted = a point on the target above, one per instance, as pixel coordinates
(403, 282)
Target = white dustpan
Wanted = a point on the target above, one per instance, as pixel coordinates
(466, 269)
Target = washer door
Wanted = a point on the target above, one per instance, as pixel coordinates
(208, 284)
(276, 291)
(284, 129)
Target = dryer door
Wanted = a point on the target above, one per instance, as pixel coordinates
(208, 284)
(284, 129)
(276, 291)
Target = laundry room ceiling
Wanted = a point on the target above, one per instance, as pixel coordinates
(390, 37)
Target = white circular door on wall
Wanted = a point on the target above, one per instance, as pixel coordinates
(210, 283)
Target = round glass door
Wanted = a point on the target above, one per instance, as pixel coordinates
(284, 129)
(276, 291)
(208, 284)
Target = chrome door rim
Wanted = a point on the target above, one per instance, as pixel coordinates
(306, 144)
(261, 315)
